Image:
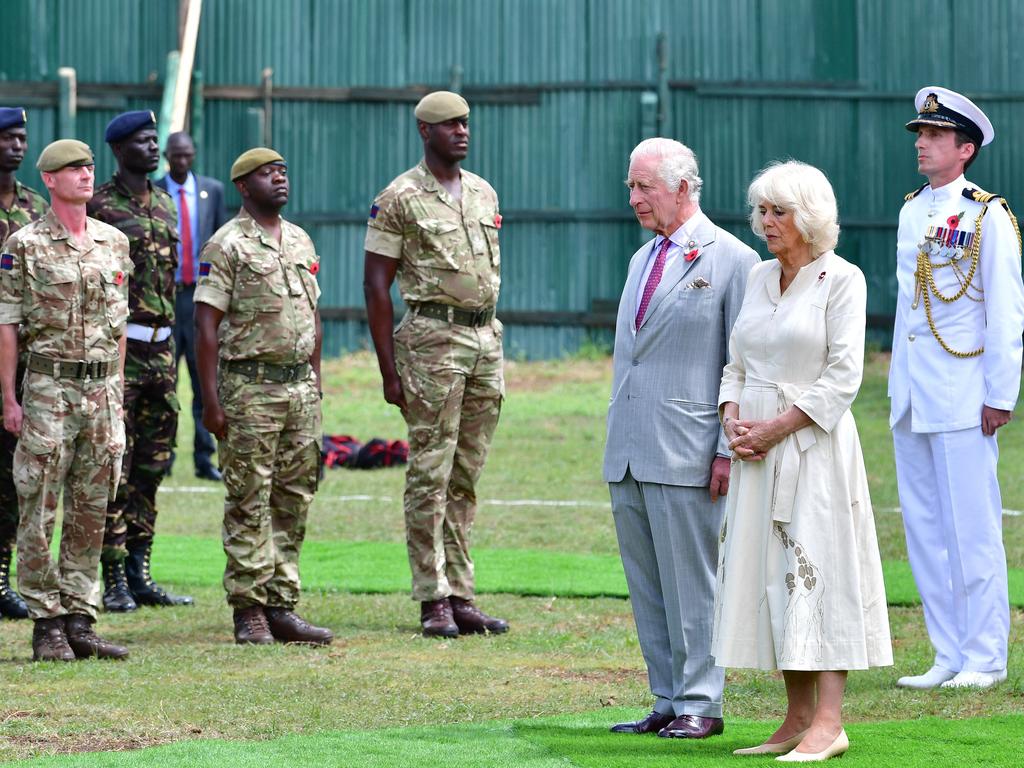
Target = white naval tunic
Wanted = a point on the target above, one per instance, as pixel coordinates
(945, 466)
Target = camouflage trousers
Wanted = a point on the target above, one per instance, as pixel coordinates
(72, 438)
(150, 424)
(8, 493)
(454, 385)
(271, 461)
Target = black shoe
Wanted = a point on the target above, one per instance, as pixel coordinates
(117, 598)
(209, 472)
(653, 723)
(144, 590)
(11, 604)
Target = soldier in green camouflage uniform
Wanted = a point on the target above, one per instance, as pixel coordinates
(257, 320)
(436, 228)
(65, 279)
(147, 215)
(19, 205)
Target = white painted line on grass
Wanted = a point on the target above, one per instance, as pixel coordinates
(366, 497)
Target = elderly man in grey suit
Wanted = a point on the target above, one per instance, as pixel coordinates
(666, 460)
(200, 204)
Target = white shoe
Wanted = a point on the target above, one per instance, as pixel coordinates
(836, 749)
(933, 678)
(976, 679)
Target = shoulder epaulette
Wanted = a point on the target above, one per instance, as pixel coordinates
(980, 197)
(915, 193)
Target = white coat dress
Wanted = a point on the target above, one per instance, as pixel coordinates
(799, 577)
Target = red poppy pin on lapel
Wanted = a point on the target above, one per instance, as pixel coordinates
(691, 255)
(118, 278)
(497, 221)
(314, 267)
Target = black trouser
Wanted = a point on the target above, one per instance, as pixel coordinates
(185, 346)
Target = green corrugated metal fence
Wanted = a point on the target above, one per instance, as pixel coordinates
(557, 88)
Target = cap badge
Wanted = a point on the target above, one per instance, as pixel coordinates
(931, 104)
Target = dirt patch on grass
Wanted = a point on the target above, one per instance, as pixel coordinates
(40, 745)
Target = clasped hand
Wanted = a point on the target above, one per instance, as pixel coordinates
(751, 440)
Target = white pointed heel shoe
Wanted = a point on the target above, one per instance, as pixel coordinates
(836, 749)
(778, 748)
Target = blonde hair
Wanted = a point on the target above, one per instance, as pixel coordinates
(802, 190)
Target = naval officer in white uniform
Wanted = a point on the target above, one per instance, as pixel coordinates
(953, 382)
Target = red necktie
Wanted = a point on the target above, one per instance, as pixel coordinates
(652, 280)
(187, 265)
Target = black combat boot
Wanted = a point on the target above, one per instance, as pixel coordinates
(11, 604)
(116, 596)
(143, 588)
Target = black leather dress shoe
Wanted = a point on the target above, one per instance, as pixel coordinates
(692, 727)
(653, 723)
(209, 472)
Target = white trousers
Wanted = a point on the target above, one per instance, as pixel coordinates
(952, 514)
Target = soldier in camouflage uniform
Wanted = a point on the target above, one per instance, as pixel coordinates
(19, 205)
(436, 228)
(257, 318)
(147, 215)
(65, 279)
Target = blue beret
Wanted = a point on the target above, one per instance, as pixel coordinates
(127, 123)
(11, 117)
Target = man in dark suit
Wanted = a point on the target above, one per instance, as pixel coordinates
(200, 203)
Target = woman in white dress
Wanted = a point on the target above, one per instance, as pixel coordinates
(799, 577)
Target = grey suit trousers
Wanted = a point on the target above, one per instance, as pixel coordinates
(668, 539)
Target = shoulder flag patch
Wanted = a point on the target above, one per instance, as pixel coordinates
(7, 261)
(204, 268)
(373, 211)
(915, 193)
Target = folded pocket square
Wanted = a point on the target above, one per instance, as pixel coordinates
(700, 282)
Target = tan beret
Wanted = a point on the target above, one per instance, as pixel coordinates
(252, 159)
(439, 106)
(62, 153)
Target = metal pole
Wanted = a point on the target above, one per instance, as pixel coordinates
(188, 53)
(67, 109)
(268, 106)
(663, 93)
(166, 109)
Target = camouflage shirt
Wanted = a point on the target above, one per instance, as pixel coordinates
(447, 249)
(28, 206)
(72, 298)
(268, 292)
(153, 234)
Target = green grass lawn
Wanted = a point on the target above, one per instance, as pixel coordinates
(541, 695)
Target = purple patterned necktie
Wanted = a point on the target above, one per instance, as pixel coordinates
(652, 280)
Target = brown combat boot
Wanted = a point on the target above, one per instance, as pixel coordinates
(86, 643)
(436, 619)
(471, 620)
(251, 626)
(49, 643)
(288, 627)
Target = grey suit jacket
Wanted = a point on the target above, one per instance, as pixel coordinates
(663, 416)
(211, 205)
